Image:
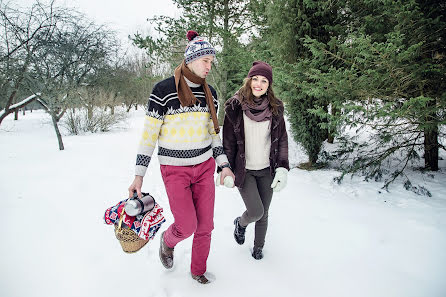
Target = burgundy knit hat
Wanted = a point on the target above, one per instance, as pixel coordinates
(261, 68)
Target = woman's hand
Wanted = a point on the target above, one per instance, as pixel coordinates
(280, 179)
(226, 177)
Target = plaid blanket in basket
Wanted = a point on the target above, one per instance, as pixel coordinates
(144, 225)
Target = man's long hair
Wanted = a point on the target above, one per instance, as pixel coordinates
(245, 94)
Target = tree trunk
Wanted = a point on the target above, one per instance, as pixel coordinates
(3, 116)
(8, 104)
(211, 9)
(431, 148)
(224, 72)
(7, 111)
(16, 115)
(330, 138)
(56, 128)
(431, 137)
(89, 112)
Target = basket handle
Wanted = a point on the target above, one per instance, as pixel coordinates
(122, 215)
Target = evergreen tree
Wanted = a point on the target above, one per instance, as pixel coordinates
(389, 81)
(289, 22)
(223, 23)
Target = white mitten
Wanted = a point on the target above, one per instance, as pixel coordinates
(228, 181)
(279, 181)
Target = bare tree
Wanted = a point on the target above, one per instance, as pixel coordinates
(19, 39)
(52, 51)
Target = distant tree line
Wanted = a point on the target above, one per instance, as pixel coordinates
(365, 75)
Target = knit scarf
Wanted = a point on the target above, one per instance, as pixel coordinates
(185, 94)
(259, 111)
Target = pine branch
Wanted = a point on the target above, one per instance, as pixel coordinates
(398, 172)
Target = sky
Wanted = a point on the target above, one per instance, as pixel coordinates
(323, 239)
(124, 16)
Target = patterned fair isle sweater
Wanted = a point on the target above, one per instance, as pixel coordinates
(185, 135)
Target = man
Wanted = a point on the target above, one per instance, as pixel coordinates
(181, 116)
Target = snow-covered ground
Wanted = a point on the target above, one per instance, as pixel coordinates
(324, 239)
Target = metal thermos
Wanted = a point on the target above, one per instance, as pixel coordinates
(136, 206)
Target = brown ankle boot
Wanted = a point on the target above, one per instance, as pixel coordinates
(166, 253)
(201, 279)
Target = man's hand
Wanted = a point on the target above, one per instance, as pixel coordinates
(136, 185)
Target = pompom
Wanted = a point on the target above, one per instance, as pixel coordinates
(191, 35)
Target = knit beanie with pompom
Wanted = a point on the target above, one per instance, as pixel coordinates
(197, 47)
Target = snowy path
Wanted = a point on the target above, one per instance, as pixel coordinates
(324, 240)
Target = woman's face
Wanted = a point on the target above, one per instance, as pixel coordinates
(259, 85)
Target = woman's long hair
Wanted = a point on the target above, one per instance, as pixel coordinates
(246, 96)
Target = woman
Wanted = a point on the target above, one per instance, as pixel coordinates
(256, 144)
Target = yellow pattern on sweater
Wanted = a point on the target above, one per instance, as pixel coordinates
(150, 132)
(180, 128)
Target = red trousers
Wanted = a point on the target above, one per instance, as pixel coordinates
(191, 192)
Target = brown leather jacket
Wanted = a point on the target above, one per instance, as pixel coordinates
(234, 140)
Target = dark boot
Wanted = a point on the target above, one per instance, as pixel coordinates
(257, 253)
(239, 231)
(166, 253)
(201, 279)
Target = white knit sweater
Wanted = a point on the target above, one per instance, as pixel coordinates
(257, 143)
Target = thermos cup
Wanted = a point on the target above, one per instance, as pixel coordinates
(136, 206)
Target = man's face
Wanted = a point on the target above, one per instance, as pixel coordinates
(201, 66)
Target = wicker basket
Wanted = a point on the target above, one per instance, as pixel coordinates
(130, 242)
